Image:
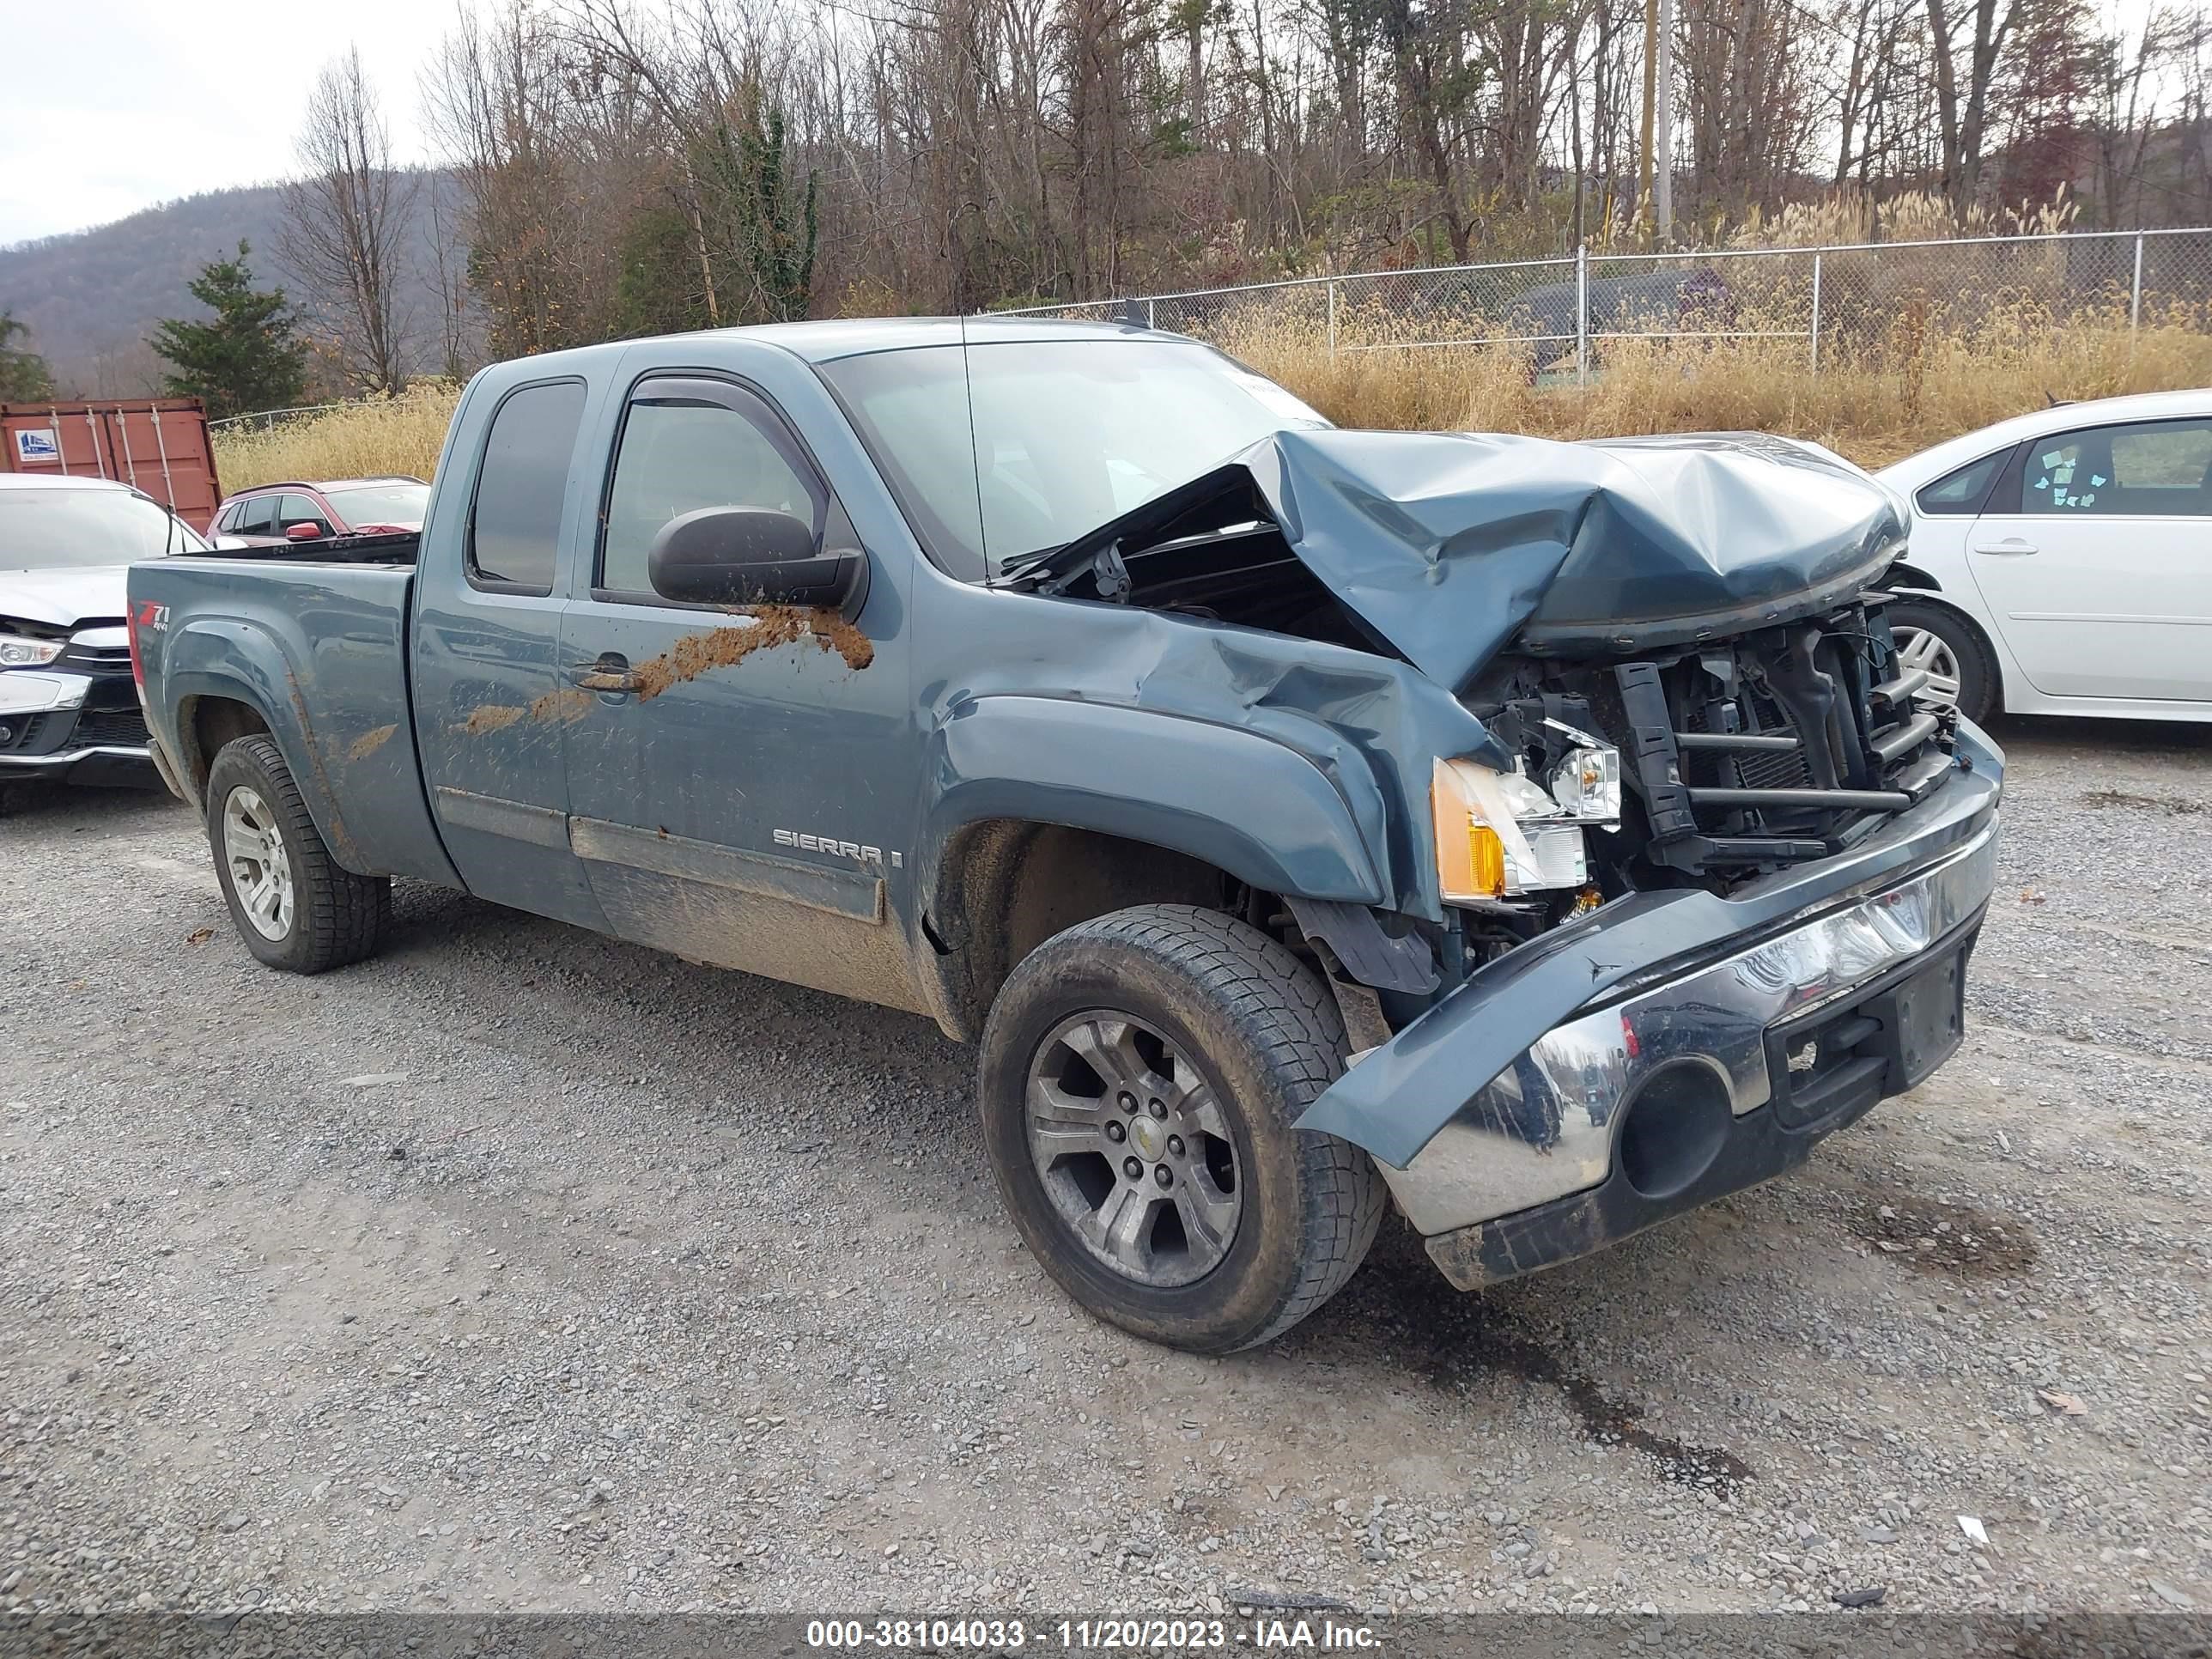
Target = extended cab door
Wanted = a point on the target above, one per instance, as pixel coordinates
(2094, 556)
(740, 786)
(486, 649)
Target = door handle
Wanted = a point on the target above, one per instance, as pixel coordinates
(612, 673)
(2010, 547)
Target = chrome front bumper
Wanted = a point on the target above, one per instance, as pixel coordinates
(1549, 1127)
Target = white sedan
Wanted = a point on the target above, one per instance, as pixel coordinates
(2061, 562)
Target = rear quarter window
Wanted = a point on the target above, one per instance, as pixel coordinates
(514, 522)
(1960, 492)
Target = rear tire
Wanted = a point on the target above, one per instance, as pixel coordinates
(1954, 639)
(1219, 1038)
(295, 906)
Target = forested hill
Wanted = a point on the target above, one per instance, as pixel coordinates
(89, 298)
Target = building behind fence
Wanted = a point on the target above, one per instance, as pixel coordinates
(1835, 300)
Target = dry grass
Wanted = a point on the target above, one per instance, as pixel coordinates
(1875, 401)
(403, 434)
(1900, 383)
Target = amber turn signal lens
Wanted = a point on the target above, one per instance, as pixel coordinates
(1470, 858)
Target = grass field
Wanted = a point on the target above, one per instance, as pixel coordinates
(399, 434)
(1876, 400)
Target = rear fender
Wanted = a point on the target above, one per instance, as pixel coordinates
(223, 657)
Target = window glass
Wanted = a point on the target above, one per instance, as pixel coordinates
(515, 521)
(67, 528)
(254, 516)
(387, 503)
(1963, 490)
(300, 509)
(2148, 470)
(1067, 433)
(680, 454)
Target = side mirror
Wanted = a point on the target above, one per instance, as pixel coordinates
(303, 533)
(749, 555)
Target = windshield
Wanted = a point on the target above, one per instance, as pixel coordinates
(1068, 434)
(382, 503)
(57, 529)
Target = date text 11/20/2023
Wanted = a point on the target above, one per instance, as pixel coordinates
(1088, 1635)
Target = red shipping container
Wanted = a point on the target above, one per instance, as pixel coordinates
(160, 445)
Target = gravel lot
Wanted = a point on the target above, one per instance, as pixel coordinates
(520, 1269)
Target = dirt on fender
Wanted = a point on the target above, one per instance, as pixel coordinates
(369, 742)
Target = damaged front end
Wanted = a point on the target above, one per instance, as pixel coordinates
(1707, 889)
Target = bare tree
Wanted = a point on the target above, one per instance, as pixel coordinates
(458, 334)
(346, 224)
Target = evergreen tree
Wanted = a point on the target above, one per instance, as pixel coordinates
(776, 232)
(23, 373)
(765, 221)
(244, 358)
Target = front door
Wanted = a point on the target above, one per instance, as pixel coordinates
(2096, 560)
(740, 783)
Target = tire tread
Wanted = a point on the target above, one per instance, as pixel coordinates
(339, 917)
(1291, 1019)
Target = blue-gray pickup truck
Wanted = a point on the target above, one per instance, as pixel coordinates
(1543, 838)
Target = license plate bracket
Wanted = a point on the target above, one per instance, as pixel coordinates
(1922, 1021)
(1828, 1069)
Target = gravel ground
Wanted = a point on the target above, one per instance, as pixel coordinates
(519, 1269)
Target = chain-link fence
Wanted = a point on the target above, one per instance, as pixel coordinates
(267, 419)
(1565, 313)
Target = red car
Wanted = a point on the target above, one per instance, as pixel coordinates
(295, 512)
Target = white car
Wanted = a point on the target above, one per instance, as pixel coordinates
(2061, 561)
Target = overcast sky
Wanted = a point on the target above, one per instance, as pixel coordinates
(110, 105)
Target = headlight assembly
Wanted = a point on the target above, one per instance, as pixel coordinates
(19, 651)
(1501, 833)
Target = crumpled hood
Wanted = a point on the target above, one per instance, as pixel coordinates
(66, 596)
(1448, 545)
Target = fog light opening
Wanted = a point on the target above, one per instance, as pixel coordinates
(1673, 1130)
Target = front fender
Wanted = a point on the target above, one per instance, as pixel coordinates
(224, 657)
(1245, 804)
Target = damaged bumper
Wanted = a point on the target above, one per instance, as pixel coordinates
(56, 725)
(1675, 1047)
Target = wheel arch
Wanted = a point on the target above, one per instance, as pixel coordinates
(1048, 812)
(236, 682)
(1911, 577)
(1001, 887)
(205, 722)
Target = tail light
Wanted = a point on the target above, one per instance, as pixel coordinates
(144, 614)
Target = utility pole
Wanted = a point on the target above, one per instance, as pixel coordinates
(1663, 178)
(1643, 137)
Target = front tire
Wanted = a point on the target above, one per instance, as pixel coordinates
(295, 906)
(1141, 1074)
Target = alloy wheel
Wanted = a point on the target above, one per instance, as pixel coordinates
(260, 873)
(1134, 1148)
(1918, 648)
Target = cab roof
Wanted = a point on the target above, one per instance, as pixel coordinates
(853, 336)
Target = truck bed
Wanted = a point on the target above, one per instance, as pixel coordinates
(317, 647)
